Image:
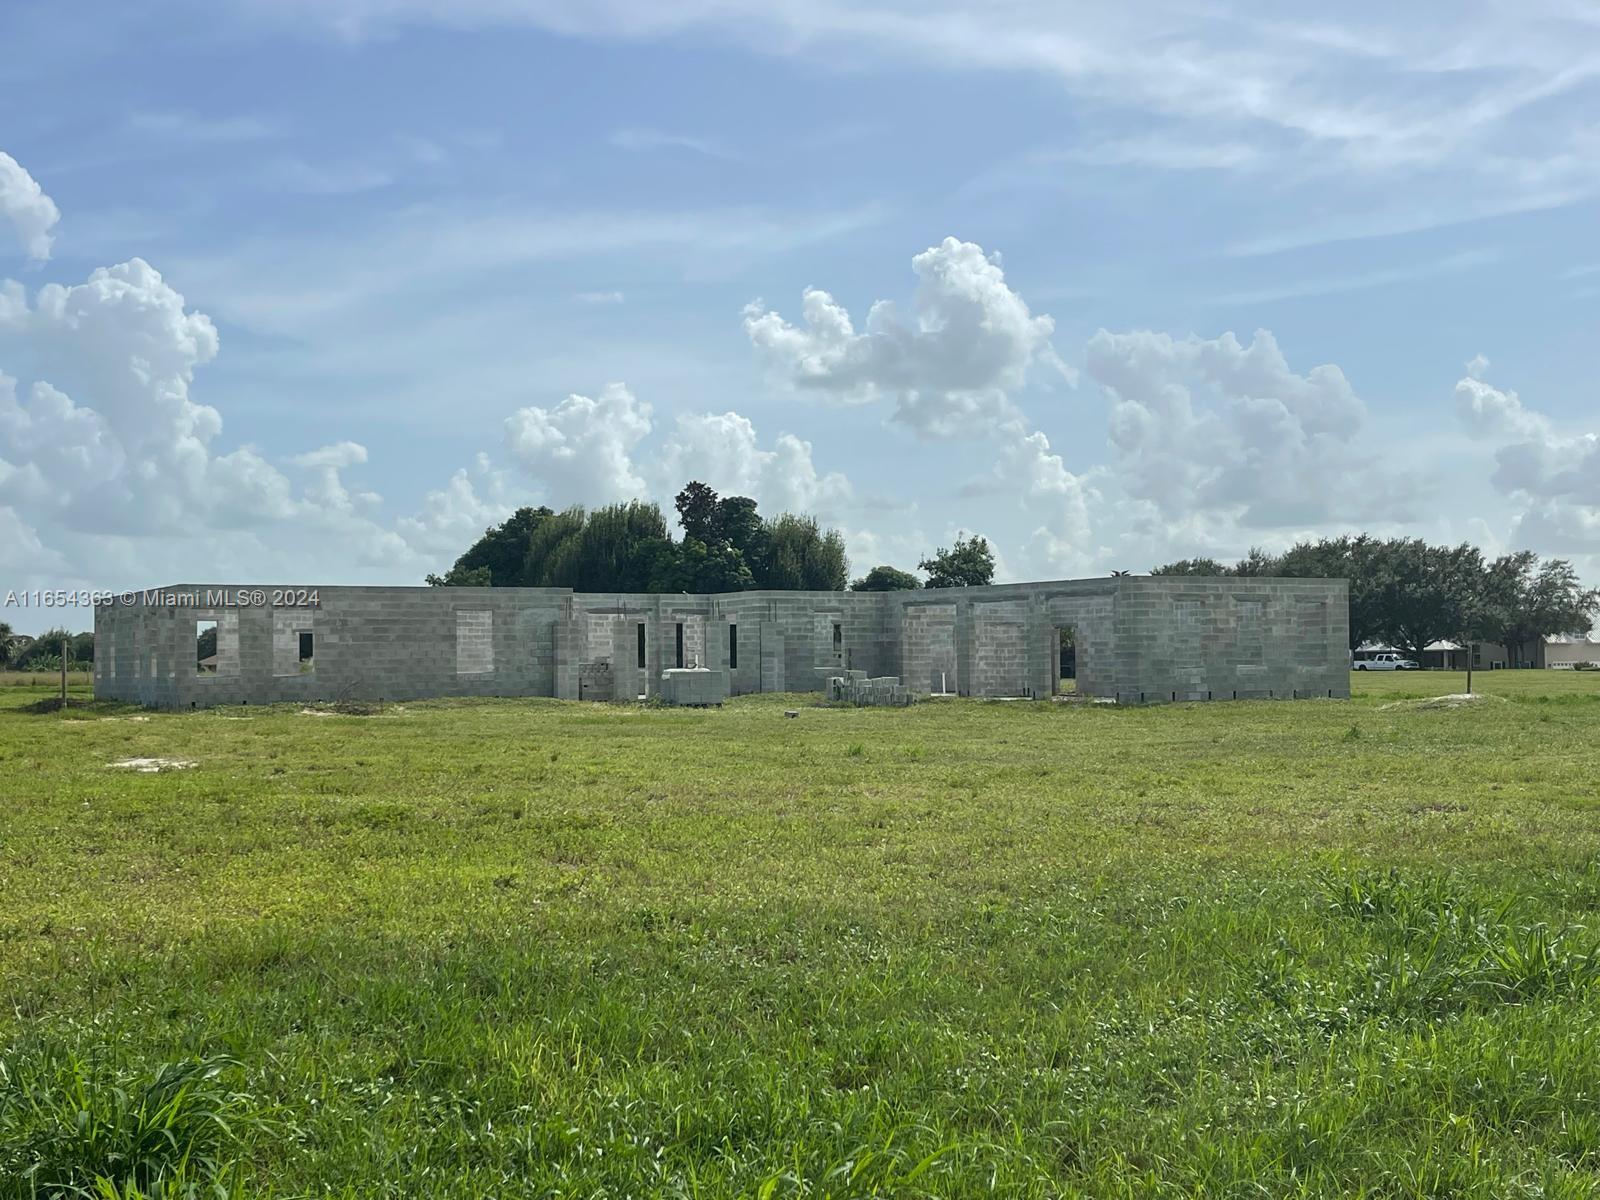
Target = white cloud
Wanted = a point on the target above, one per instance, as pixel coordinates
(594, 450)
(1162, 150)
(722, 451)
(899, 546)
(1554, 527)
(1556, 474)
(454, 516)
(1214, 426)
(32, 213)
(327, 489)
(951, 366)
(319, 285)
(1059, 501)
(109, 431)
(1489, 412)
(581, 450)
(1482, 86)
(21, 551)
(105, 450)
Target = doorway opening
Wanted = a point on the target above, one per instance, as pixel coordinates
(1066, 661)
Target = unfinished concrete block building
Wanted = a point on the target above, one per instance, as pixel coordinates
(1136, 640)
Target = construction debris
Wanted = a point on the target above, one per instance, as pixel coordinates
(150, 766)
(853, 687)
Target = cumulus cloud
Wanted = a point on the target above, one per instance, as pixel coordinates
(900, 545)
(1555, 475)
(21, 551)
(599, 449)
(1216, 426)
(1487, 411)
(722, 450)
(951, 365)
(32, 213)
(1058, 500)
(104, 449)
(452, 517)
(582, 447)
(107, 435)
(327, 489)
(953, 368)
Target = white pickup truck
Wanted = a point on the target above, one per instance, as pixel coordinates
(1386, 660)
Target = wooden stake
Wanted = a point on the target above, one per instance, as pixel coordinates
(66, 649)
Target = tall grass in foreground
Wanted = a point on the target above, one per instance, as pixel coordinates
(71, 1126)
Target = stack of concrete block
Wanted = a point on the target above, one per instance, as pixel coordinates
(854, 687)
(694, 686)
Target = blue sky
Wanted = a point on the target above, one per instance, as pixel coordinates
(315, 291)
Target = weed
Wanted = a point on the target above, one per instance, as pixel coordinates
(70, 1126)
(1534, 961)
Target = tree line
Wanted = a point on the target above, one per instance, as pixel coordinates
(43, 653)
(1408, 593)
(726, 546)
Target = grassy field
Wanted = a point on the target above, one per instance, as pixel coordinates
(46, 680)
(531, 948)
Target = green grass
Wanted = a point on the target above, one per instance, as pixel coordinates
(531, 948)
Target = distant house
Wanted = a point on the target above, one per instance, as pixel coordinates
(1565, 653)
(1450, 656)
(1558, 653)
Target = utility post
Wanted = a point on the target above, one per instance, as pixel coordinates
(66, 649)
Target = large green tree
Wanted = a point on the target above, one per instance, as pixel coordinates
(969, 563)
(741, 527)
(43, 653)
(1522, 600)
(1193, 566)
(697, 508)
(886, 579)
(1426, 593)
(801, 556)
(726, 546)
(497, 559)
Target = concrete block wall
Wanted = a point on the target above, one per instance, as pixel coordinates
(1251, 638)
(1090, 612)
(370, 644)
(796, 630)
(1005, 639)
(1000, 649)
(1139, 639)
(928, 647)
